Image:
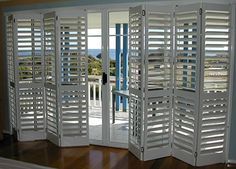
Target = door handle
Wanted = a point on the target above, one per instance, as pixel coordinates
(104, 78)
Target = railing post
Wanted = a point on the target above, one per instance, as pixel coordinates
(118, 65)
(125, 64)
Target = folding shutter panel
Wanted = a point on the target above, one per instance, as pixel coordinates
(29, 77)
(11, 72)
(50, 66)
(73, 79)
(214, 86)
(136, 78)
(158, 83)
(186, 89)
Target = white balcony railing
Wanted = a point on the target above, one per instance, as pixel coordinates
(95, 90)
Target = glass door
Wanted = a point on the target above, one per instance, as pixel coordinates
(118, 59)
(108, 78)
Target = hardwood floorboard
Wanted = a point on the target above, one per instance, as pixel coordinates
(91, 157)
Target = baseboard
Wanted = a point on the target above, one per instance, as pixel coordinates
(232, 161)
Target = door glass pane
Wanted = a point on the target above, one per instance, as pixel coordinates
(118, 55)
(94, 76)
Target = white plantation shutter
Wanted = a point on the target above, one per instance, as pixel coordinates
(73, 79)
(201, 83)
(29, 77)
(50, 67)
(215, 84)
(186, 88)
(11, 71)
(150, 76)
(158, 82)
(136, 81)
(66, 78)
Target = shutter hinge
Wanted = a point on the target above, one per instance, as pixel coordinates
(56, 17)
(174, 14)
(171, 145)
(142, 149)
(143, 12)
(200, 11)
(195, 154)
(14, 20)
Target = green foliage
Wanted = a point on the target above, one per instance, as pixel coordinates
(112, 68)
(95, 66)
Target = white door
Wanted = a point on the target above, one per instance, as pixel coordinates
(28, 57)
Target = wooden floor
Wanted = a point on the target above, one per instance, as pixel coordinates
(94, 157)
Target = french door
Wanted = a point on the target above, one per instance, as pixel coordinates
(105, 45)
